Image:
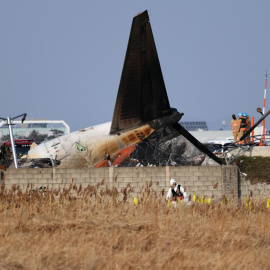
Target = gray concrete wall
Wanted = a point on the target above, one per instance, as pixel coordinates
(212, 181)
(260, 190)
(258, 151)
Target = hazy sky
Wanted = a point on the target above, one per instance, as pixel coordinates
(63, 59)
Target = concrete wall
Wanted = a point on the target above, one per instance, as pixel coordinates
(212, 181)
(258, 151)
(260, 190)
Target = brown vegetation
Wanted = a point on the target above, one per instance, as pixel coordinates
(103, 229)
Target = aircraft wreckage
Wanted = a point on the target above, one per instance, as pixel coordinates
(144, 130)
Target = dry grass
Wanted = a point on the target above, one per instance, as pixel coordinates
(104, 230)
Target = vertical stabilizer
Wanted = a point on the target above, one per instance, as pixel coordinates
(142, 95)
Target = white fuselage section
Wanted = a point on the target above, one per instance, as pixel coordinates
(96, 141)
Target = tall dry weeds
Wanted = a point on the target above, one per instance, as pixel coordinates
(100, 228)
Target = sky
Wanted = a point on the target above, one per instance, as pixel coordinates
(62, 60)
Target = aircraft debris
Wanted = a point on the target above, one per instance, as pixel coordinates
(38, 163)
(144, 128)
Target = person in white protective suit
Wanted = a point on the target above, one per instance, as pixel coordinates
(176, 191)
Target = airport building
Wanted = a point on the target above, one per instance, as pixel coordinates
(43, 126)
(224, 135)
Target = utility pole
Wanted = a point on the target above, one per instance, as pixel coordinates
(9, 121)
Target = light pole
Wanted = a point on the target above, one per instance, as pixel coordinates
(9, 120)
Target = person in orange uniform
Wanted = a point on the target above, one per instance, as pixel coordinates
(243, 126)
(248, 126)
(235, 124)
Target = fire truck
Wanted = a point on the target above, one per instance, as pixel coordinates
(22, 147)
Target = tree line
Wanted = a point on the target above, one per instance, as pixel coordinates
(36, 136)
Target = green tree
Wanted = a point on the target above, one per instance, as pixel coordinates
(56, 133)
(5, 138)
(37, 137)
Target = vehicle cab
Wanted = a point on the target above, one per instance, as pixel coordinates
(218, 147)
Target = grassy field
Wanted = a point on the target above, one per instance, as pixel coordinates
(105, 230)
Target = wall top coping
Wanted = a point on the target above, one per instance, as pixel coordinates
(123, 169)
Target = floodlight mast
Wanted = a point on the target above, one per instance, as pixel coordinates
(12, 142)
(263, 112)
(9, 120)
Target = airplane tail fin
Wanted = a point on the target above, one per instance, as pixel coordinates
(142, 95)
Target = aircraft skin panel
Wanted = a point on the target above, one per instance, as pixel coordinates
(96, 140)
(118, 158)
(64, 145)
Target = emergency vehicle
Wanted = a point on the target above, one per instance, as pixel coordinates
(218, 147)
(22, 146)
